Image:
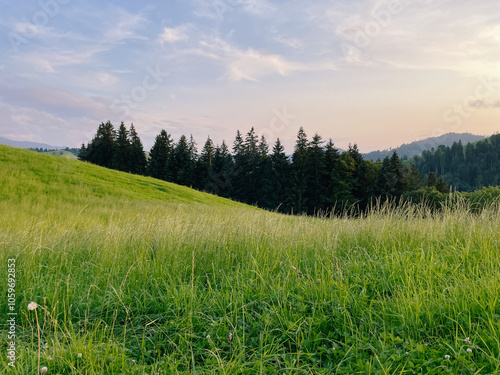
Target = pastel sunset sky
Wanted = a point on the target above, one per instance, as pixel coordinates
(372, 72)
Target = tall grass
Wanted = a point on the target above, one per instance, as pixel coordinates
(129, 284)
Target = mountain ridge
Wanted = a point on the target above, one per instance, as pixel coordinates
(409, 150)
(28, 144)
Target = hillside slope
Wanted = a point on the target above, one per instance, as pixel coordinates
(136, 276)
(61, 153)
(27, 175)
(416, 148)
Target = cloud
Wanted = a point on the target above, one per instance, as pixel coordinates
(458, 36)
(56, 100)
(47, 60)
(294, 43)
(219, 9)
(124, 26)
(248, 64)
(172, 35)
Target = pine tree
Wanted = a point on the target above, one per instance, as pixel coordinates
(191, 178)
(82, 153)
(121, 157)
(299, 173)
(337, 178)
(398, 170)
(204, 165)
(431, 180)
(385, 183)
(413, 178)
(180, 163)
(222, 173)
(100, 150)
(361, 186)
(441, 185)
(280, 178)
(159, 156)
(138, 161)
(316, 167)
(264, 175)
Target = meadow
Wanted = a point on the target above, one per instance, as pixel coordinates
(137, 276)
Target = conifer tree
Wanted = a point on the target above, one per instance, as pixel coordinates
(180, 163)
(280, 178)
(264, 175)
(138, 161)
(159, 156)
(316, 172)
(204, 164)
(299, 173)
(100, 150)
(121, 157)
(413, 178)
(222, 174)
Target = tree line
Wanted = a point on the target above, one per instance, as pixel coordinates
(316, 178)
(466, 168)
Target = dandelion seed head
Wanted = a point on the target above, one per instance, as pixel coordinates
(79, 355)
(44, 369)
(469, 350)
(447, 357)
(208, 337)
(32, 305)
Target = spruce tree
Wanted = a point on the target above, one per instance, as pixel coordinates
(361, 186)
(280, 178)
(100, 150)
(299, 173)
(180, 163)
(385, 183)
(413, 178)
(204, 164)
(138, 161)
(441, 185)
(316, 172)
(82, 153)
(264, 175)
(159, 156)
(222, 174)
(121, 157)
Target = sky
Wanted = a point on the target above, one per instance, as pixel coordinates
(377, 73)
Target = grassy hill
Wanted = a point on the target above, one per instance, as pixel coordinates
(137, 276)
(37, 177)
(62, 153)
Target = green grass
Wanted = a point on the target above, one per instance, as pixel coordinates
(61, 153)
(141, 276)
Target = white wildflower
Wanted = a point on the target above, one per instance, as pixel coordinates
(32, 305)
(447, 357)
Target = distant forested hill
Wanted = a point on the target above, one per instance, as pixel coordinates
(416, 148)
(466, 168)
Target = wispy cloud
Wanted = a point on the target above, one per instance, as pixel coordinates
(124, 26)
(172, 35)
(247, 64)
(459, 36)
